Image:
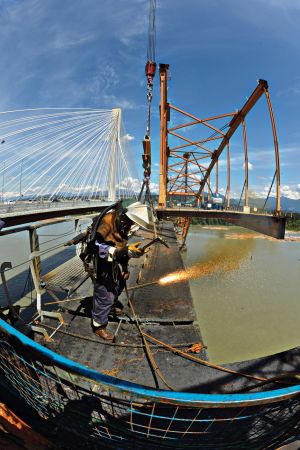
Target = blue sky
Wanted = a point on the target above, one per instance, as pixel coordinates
(91, 53)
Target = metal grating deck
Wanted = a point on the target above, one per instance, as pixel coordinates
(67, 277)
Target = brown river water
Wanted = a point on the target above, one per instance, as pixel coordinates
(246, 288)
(247, 298)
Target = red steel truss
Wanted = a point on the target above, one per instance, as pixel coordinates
(186, 169)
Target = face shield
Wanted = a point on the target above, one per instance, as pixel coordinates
(141, 215)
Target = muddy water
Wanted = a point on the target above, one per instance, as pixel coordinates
(249, 304)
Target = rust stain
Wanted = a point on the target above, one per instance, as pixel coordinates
(112, 372)
(196, 348)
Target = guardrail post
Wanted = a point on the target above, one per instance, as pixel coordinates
(4, 266)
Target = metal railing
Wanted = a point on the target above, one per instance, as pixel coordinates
(86, 406)
(20, 207)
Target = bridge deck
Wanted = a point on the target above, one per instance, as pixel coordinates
(20, 214)
(127, 360)
(67, 277)
(166, 312)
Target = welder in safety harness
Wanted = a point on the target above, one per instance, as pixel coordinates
(112, 253)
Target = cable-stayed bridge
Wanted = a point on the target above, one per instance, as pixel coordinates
(64, 154)
(53, 160)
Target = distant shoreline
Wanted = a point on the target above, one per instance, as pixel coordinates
(291, 235)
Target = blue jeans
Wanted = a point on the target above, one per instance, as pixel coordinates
(103, 300)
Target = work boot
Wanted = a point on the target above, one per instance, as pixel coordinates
(104, 334)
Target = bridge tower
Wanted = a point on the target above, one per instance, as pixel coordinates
(114, 136)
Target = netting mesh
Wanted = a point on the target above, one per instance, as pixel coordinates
(83, 411)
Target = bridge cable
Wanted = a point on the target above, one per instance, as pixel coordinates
(269, 191)
(241, 195)
(56, 153)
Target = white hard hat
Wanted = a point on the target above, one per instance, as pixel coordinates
(140, 214)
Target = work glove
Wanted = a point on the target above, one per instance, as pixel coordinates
(125, 275)
(134, 251)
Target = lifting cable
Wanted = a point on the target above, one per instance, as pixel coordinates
(150, 70)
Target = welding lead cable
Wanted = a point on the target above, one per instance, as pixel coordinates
(112, 344)
(146, 345)
(202, 361)
(280, 379)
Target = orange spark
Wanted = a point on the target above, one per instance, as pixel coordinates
(227, 259)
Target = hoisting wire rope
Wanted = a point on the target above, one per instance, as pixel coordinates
(150, 65)
(150, 70)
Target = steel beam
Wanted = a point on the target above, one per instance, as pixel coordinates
(265, 224)
(164, 112)
(277, 211)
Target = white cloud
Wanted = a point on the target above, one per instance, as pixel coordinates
(123, 103)
(154, 188)
(250, 166)
(292, 192)
(131, 184)
(128, 137)
(66, 40)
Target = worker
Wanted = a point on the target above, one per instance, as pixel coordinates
(112, 253)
